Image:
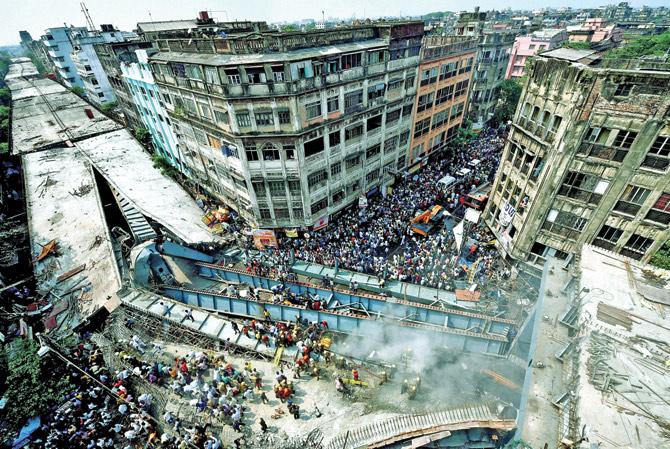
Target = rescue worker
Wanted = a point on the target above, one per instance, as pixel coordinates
(354, 374)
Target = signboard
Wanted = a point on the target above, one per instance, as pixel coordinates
(320, 223)
(263, 238)
(472, 215)
(467, 295)
(293, 233)
(362, 202)
(506, 214)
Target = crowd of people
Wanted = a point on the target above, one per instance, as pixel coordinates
(378, 239)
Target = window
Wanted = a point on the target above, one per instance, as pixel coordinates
(444, 95)
(373, 151)
(421, 127)
(335, 169)
(252, 155)
(632, 199)
(624, 139)
(353, 101)
(205, 110)
(456, 111)
(404, 138)
(264, 118)
(338, 197)
(334, 138)
(277, 188)
(395, 84)
(607, 237)
(376, 91)
(374, 123)
(297, 212)
(284, 116)
(319, 205)
(243, 119)
(597, 135)
(370, 177)
(313, 110)
(290, 152)
(587, 188)
(622, 90)
(221, 116)
(281, 214)
(211, 75)
(428, 76)
(425, 102)
(448, 70)
(660, 211)
(314, 147)
(564, 223)
(294, 186)
(353, 132)
(409, 82)
(235, 80)
(317, 179)
(376, 56)
(255, 75)
(440, 119)
(270, 153)
(214, 142)
(278, 74)
(265, 214)
(352, 161)
(401, 162)
(394, 116)
(461, 88)
(351, 61)
(95, 83)
(636, 246)
(259, 188)
(194, 72)
(658, 156)
(407, 110)
(390, 144)
(333, 104)
(333, 66)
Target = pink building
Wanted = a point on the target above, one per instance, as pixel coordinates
(594, 30)
(530, 45)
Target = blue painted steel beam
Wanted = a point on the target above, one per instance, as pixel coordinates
(340, 321)
(373, 304)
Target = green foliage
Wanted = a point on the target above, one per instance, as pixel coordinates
(36, 61)
(576, 45)
(108, 107)
(179, 111)
(290, 27)
(4, 148)
(77, 90)
(510, 92)
(142, 134)
(5, 96)
(4, 66)
(645, 46)
(662, 257)
(33, 384)
(163, 163)
(4, 112)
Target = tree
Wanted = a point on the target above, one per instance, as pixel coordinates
(645, 46)
(5, 96)
(163, 164)
(510, 92)
(77, 90)
(661, 258)
(576, 45)
(33, 384)
(290, 27)
(143, 135)
(4, 148)
(108, 107)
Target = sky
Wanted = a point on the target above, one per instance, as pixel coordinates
(36, 15)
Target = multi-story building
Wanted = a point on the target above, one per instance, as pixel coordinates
(144, 93)
(59, 44)
(495, 43)
(289, 128)
(594, 30)
(526, 46)
(36, 49)
(445, 77)
(587, 161)
(112, 56)
(94, 80)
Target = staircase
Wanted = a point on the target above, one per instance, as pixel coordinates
(139, 225)
(381, 431)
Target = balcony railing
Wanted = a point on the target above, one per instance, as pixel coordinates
(581, 195)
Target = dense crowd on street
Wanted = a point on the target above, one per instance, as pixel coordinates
(378, 239)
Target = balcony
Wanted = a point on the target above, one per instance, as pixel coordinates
(581, 195)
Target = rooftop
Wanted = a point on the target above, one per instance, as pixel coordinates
(259, 58)
(570, 54)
